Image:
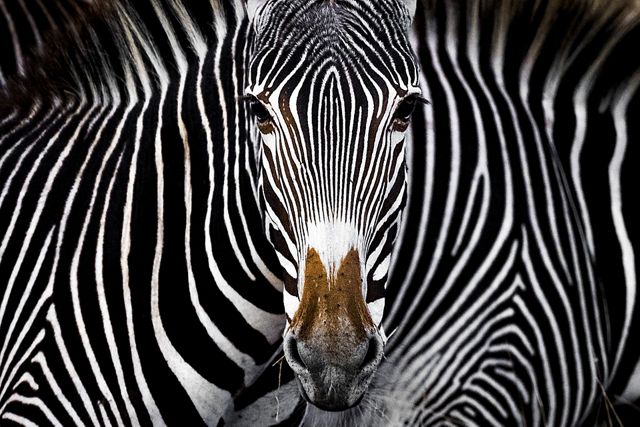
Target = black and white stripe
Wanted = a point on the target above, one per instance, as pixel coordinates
(521, 306)
(332, 76)
(139, 286)
(512, 299)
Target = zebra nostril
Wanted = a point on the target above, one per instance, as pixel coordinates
(372, 353)
(293, 354)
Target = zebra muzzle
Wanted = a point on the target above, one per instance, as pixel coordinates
(332, 344)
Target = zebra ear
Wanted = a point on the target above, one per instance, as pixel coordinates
(253, 6)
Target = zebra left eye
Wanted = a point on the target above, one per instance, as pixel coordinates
(265, 121)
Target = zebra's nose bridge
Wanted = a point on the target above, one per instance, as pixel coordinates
(332, 344)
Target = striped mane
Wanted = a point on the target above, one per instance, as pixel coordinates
(107, 43)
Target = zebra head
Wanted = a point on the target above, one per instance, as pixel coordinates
(333, 84)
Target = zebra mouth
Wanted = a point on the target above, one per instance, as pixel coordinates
(325, 406)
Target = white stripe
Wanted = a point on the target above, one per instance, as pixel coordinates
(78, 382)
(40, 360)
(626, 247)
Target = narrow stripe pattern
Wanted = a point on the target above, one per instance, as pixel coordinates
(512, 297)
(140, 209)
(333, 171)
(137, 285)
(521, 303)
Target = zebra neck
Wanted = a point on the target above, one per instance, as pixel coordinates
(515, 196)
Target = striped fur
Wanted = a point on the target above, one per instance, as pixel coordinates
(333, 169)
(137, 284)
(512, 295)
(330, 81)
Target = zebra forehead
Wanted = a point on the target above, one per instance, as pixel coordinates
(337, 88)
(363, 42)
(320, 26)
(332, 14)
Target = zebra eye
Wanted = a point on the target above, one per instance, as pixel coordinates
(403, 113)
(265, 121)
(406, 108)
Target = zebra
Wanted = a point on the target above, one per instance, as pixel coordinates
(137, 285)
(521, 306)
(512, 296)
(454, 357)
(24, 26)
(97, 147)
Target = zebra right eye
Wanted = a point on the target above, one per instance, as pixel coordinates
(265, 121)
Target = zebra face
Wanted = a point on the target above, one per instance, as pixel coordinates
(333, 85)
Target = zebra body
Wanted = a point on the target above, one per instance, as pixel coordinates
(135, 291)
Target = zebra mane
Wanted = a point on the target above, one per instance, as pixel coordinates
(47, 71)
(91, 56)
(119, 46)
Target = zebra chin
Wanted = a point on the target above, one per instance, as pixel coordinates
(332, 344)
